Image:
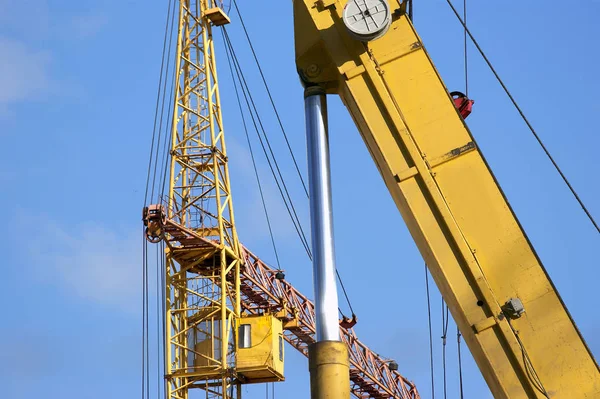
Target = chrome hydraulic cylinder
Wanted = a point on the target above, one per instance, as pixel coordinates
(321, 218)
(328, 357)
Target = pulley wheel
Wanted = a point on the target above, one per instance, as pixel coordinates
(367, 20)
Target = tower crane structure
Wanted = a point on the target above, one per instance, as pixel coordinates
(203, 255)
(214, 285)
(228, 313)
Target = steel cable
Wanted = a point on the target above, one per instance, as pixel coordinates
(460, 376)
(158, 95)
(293, 214)
(445, 319)
(164, 313)
(158, 317)
(143, 362)
(262, 197)
(147, 339)
(145, 358)
(160, 131)
(431, 368)
(170, 109)
(280, 185)
(465, 50)
(270, 97)
(539, 140)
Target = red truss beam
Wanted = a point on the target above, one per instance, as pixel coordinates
(262, 292)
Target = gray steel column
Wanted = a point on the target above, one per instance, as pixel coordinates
(326, 300)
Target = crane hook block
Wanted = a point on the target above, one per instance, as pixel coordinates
(348, 323)
(462, 103)
(154, 218)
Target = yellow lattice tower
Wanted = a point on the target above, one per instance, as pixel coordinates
(203, 254)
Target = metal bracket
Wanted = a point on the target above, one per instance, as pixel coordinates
(513, 308)
(326, 3)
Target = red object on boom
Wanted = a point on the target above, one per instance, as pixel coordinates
(462, 103)
(347, 322)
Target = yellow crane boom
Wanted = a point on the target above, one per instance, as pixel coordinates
(513, 319)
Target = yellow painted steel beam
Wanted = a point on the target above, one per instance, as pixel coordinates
(477, 252)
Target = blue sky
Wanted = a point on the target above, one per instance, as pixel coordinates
(77, 91)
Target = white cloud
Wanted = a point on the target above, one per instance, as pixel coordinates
(25, 64)
(48, 21)
(24, 68)
(89, 261)
(24, 72)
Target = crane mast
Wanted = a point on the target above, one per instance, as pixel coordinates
(203, 269)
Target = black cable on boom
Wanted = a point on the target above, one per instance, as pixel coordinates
(159, 279)
(171, 104)
(539, 140)
(465, 45)
(262, 197)
(344, 290)
(270, 97)
(163, 281)
(460, 376)
(284, 192)
(145, 388)
(163, 109)
(147, 305)
(158, 95)
(445, 319)
(430, 333)
(280, 185)
(153, 165)
(167, 141)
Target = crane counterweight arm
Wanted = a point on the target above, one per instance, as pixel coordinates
(264, 291)
(513, 320)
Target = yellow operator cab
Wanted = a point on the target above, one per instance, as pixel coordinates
(260, 348)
